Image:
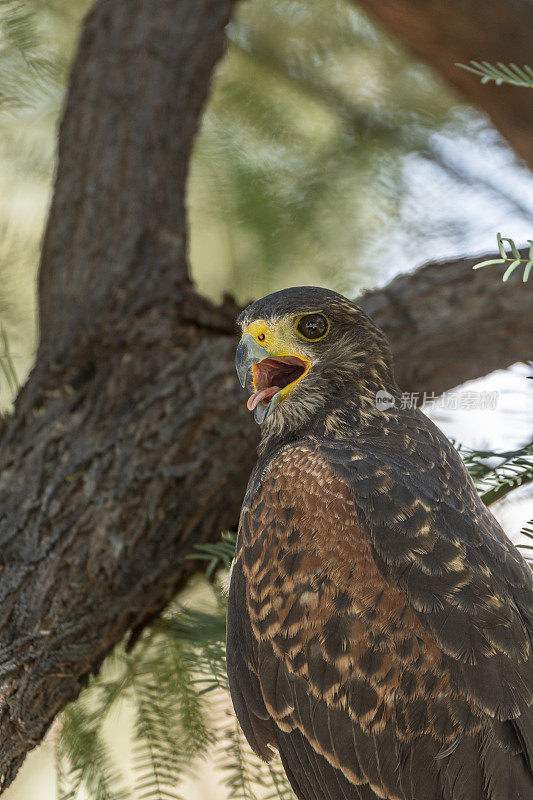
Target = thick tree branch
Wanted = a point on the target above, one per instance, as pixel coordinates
(458, 31)
(137, 90)
(115, 461)
(448, 324)
(130, 441)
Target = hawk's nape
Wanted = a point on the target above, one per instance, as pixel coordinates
(379, 621)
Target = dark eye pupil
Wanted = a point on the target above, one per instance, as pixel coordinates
(313, 326)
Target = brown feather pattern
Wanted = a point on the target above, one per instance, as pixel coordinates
(341, 657)
(379, 621)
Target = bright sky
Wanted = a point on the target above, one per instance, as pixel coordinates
(457, 206)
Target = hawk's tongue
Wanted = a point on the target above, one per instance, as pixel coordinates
(263, 394)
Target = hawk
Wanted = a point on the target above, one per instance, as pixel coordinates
(379, 620)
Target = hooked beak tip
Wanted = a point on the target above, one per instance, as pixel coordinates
(249, 352)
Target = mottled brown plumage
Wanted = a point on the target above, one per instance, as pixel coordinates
(379, 621)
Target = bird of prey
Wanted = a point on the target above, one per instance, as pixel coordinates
(379, 621)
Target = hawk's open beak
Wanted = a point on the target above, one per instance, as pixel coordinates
(274, 376)
(249, 352)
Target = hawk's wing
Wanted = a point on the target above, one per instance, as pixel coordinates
(379, 629)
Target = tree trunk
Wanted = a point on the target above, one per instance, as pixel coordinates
(131, 441)
(459, 31)
(116, 459)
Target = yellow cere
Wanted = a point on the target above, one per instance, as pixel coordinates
(278, 338)
(260, 331)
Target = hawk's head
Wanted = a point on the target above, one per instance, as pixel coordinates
(308, 349)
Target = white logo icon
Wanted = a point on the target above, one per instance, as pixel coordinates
(384, 400)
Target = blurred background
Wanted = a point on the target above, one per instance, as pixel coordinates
(326, 155)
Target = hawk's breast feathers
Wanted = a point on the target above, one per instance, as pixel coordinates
(381, 628)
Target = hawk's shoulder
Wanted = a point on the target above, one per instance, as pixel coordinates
(374, 599)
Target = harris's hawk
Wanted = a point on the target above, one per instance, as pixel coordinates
(379, 621)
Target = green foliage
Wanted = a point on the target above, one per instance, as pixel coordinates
(216, 555)
(36, 43)
(89, 762)
(513, 261)
(494, 481)
(299, 163)
(238, 764)
(175, 683)
(37, 40)
(501, 73)
(498, 474)
(516, 76)
(27, 66)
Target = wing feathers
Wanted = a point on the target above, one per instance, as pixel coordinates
(298, 775)
(245, 689)
(506, 773)
(379, 631)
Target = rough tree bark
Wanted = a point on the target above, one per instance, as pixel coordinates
(459, 31)
(130, 441)
(448, 324)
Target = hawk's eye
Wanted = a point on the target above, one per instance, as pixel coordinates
(313, 326)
